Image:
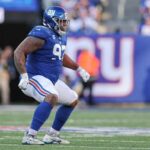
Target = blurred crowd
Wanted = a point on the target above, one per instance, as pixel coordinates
(86, 15)
(7, 72)
(93, 15)
(145, 17)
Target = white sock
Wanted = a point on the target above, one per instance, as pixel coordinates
(32, 132)
(53, 131)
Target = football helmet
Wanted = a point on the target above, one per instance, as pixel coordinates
(57, 19)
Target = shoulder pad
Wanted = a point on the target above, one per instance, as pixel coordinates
(39, 32)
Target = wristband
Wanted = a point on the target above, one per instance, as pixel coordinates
(79, 69)
(24, 76)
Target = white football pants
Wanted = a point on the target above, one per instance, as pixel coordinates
(40, 86)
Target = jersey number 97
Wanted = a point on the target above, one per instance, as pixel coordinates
(59, 50)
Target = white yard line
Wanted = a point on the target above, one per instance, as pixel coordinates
(94, 131)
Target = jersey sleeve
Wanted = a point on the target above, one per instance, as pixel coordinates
(38, 32)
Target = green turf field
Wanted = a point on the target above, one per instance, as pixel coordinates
(87, 129)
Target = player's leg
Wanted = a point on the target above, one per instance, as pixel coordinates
(5, 90)
(90, 87)
(68, 99)
(43, 91)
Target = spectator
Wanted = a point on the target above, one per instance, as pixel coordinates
(68, 4)
(144, 10)
(5, 71)
(145, 28)
(91, 64)
(87, 22)
(145, 7)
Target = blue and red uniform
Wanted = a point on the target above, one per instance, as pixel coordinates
(46, 61)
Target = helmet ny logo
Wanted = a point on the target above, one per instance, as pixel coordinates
(51, 12)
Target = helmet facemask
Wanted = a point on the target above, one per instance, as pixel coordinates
(61, 24)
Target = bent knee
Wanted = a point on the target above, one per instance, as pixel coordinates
(74, 99)
(51, 99)
(74, 96)
(74, 103)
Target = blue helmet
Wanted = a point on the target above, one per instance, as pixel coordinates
(56, 18)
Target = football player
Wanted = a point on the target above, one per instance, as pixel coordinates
(39, 59)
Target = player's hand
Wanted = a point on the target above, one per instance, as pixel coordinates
(84, 74)
(24, 81)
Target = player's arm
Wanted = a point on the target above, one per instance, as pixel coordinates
(69, 63)
(28, 45)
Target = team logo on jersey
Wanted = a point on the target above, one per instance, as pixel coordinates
(51, 12)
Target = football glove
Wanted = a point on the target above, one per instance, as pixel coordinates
(24, 81)
(83, 74)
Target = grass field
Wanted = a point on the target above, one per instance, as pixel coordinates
(87, 129)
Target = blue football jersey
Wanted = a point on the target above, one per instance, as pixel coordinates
(47, 61)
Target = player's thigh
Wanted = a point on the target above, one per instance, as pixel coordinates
(39, 87)
(66, 94)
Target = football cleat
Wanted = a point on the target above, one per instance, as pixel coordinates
(31, 140)
(54, 139)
